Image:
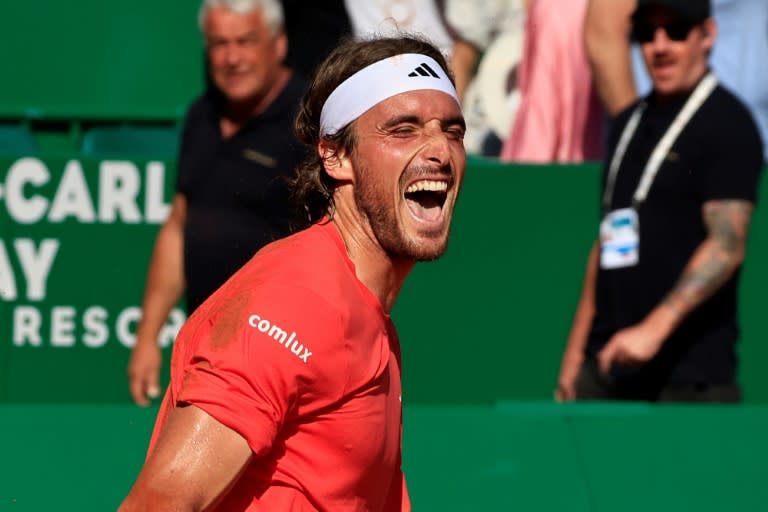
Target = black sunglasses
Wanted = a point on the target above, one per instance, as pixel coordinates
(677, 30)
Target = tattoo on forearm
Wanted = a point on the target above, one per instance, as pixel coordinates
(716, 259)
(699, 281)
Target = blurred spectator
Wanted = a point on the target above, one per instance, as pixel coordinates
(486, 53)
(559, 119)
(606, 35)
(385, 17)
(740, 57)
(658, 316)
(237, 151)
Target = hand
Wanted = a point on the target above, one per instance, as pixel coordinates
(634, 345)
(569, 371)
(144, 373)
(638, 344)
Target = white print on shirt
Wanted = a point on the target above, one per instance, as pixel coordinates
(280, 336)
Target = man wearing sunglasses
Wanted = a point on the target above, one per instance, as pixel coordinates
(738, 58)
(657, 319)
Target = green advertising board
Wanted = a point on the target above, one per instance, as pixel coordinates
(487, 322)
(76, 236)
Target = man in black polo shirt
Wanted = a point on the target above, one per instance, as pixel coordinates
(237, 150)
(657, 319)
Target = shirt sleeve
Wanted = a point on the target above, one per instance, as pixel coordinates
(182, 179)
(257, 362)
(734, 164)
(197, 144)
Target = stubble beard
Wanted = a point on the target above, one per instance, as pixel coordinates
(374, 205)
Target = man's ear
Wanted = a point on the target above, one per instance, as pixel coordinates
(281, 46)
(335, 160)
(709, 29)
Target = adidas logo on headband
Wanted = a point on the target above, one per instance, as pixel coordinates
(423, 70)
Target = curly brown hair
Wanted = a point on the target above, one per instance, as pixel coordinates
(311, 187)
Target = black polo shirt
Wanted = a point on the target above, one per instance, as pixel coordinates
(236, 189)
(718, 155)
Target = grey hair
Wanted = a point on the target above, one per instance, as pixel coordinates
(272, 11)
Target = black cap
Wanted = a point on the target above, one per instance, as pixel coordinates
(694, 11)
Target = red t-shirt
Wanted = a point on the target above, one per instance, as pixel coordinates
(296, 355)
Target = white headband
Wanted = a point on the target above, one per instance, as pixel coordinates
(379, 81)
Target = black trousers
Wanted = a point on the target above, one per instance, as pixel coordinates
(592, 385)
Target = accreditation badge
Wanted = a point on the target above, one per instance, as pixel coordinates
(619, 239)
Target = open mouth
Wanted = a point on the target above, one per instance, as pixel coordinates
(426, 198)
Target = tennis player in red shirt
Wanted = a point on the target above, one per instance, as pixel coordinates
(285, 384)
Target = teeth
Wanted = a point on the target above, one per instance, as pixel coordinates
(429, 185)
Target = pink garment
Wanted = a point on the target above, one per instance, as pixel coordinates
(560, 117)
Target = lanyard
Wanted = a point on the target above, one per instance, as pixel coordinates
(699, 96)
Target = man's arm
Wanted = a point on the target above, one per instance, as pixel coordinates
(463, 60)
(710, 267)
(196, 459)
(573, 356)
(606, 36)
(165, 284)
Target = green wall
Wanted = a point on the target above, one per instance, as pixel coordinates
(488, 320)
(93, 59)
(485, 323)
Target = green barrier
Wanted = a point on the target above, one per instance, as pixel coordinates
(540, 457)
(485, 323)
